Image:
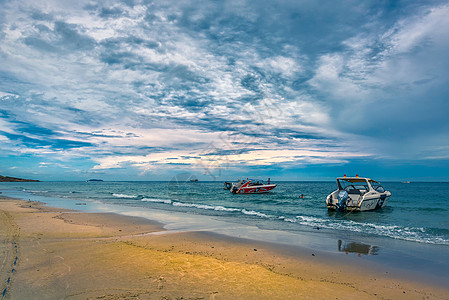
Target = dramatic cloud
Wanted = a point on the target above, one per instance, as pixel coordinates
(149, 88)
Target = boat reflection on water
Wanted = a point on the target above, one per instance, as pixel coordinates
(359, 248)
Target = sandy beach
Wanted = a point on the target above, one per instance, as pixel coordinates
(50, 253)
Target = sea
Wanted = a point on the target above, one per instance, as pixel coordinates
(412, 231)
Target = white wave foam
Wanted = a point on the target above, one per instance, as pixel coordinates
(200, 206)
(166, 201)
(34, 192)
(222, 208)
(125, 196)
(255, 213)
(206, 207)
(392, 231)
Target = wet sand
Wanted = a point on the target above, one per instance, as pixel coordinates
(65, 254)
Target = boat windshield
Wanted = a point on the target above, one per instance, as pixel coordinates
(353, 186)
(377, 186)
(257, 182)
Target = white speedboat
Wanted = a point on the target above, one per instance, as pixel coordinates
(357, 194)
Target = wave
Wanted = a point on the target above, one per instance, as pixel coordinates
(125, 196)
(256, 213)
(34, 192)
(166, 201)
(392, 231)
(206, 207)
(414, 234)
(209, 207)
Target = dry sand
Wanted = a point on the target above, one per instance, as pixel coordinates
(69, 255)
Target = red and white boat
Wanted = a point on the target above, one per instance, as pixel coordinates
(251, 186)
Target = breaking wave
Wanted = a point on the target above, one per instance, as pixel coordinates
(415, 234)
(392, 231)
(126, 196)
(166, 201)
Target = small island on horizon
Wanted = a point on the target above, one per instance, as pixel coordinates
(14, 179)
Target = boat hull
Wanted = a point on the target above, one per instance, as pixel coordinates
(259, 189)
(374, 203)
(365, 204)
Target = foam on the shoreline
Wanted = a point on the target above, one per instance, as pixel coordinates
(413, 234)
(125, 196)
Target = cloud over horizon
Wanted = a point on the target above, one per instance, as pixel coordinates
(152, 87)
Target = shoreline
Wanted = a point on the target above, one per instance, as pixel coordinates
(77, 255)
(421, 262)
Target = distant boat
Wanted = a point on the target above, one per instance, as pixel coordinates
(405, 181)
(194, 180)
(94, 180)
(357, 194)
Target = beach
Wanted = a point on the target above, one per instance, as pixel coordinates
(66, 254)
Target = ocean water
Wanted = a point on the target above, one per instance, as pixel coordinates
(416, 212)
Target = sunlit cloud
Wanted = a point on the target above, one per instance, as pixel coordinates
(157, 86)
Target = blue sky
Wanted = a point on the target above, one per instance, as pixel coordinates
(292, 90)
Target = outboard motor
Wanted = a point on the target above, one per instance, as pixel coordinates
(234, 189)
(342, 198)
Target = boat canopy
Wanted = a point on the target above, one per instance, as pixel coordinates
(358, 183)
(356, 179)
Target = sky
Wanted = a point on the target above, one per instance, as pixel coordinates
(291, 90)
